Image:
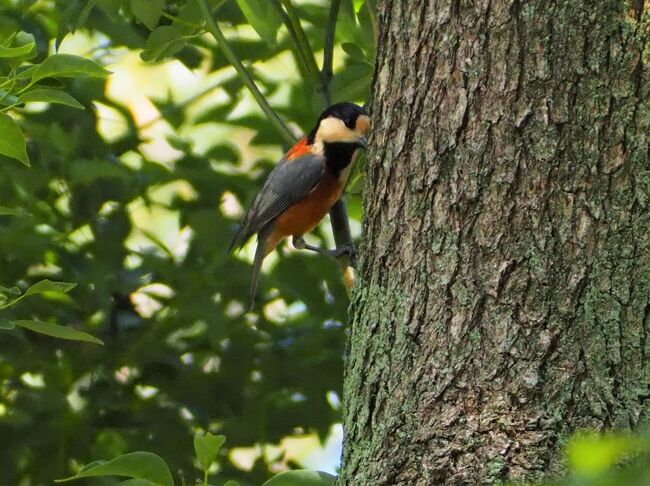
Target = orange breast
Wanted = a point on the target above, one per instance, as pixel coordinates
(306, 214)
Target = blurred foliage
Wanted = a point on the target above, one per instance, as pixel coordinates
(190, 359)
(147, 469)
(593, 459)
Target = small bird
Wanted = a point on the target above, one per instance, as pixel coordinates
(304, 185)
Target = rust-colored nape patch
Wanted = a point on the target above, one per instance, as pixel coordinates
(300, 148)
(363, 124)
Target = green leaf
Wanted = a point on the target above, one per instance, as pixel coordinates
(55, 330)
(137, 465)
(7, 99)
(41, 287)
(27, 71)
(19, 51)
(137, 482)
(302, 477)
(162, 42)
(231, 483)
(24, 46)
(223, 151)
(49, 286)
(6, 324)
(5, 211)
(48, 95)
(593, 454)
(367, 16)
(263, 17)
(9, 290)
(354, 51)
(148, 11)
(190, 13)
(110, 7)
(12, 141)
(68, 66)
(207, 447)
(74, 16)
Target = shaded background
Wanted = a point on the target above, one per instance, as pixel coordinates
(134, 199)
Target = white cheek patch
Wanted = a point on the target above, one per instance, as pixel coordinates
(334, 130)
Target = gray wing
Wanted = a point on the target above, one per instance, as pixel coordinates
(288, 183)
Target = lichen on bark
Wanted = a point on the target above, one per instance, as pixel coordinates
(503, 299)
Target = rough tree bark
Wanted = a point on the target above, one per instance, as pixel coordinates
(503, 295)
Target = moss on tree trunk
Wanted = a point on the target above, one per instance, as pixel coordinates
(503, 299)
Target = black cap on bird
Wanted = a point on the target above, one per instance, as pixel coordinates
(305, 184)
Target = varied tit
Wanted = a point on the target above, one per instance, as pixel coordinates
(304, 185)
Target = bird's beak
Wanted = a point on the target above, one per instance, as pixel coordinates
(362, 142)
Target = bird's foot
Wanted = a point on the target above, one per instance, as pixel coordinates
(346, 250)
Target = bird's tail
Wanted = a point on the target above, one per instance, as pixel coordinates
(260, 253)
(239, 238)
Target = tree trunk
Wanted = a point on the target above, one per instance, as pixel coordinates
(502, 300)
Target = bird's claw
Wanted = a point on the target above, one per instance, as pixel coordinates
(346, 250)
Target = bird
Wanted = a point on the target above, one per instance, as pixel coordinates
(304, 185)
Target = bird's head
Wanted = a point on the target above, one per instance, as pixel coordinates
(342, 124)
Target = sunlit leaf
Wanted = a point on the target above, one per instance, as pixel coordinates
(58, 331)
(263, 17)
(137, 465)
(148, 11)
(594, 454)
(48, 95)
(162, 42)
(207, 447)
(302, 477)
(39, 288)
(12, 141)
(67, 66)
(19, 51)
(49, 286)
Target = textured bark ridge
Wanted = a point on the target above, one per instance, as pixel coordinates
(504, 284)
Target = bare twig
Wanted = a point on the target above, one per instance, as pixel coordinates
(302, 43)
(328, 51)
(338, 214)
(245, 76)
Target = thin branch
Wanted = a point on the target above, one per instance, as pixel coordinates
(301, 40)
(328, 51)
(339, 218)
(298, 51)
(245, 76)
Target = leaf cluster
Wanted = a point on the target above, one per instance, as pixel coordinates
(179, 352)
